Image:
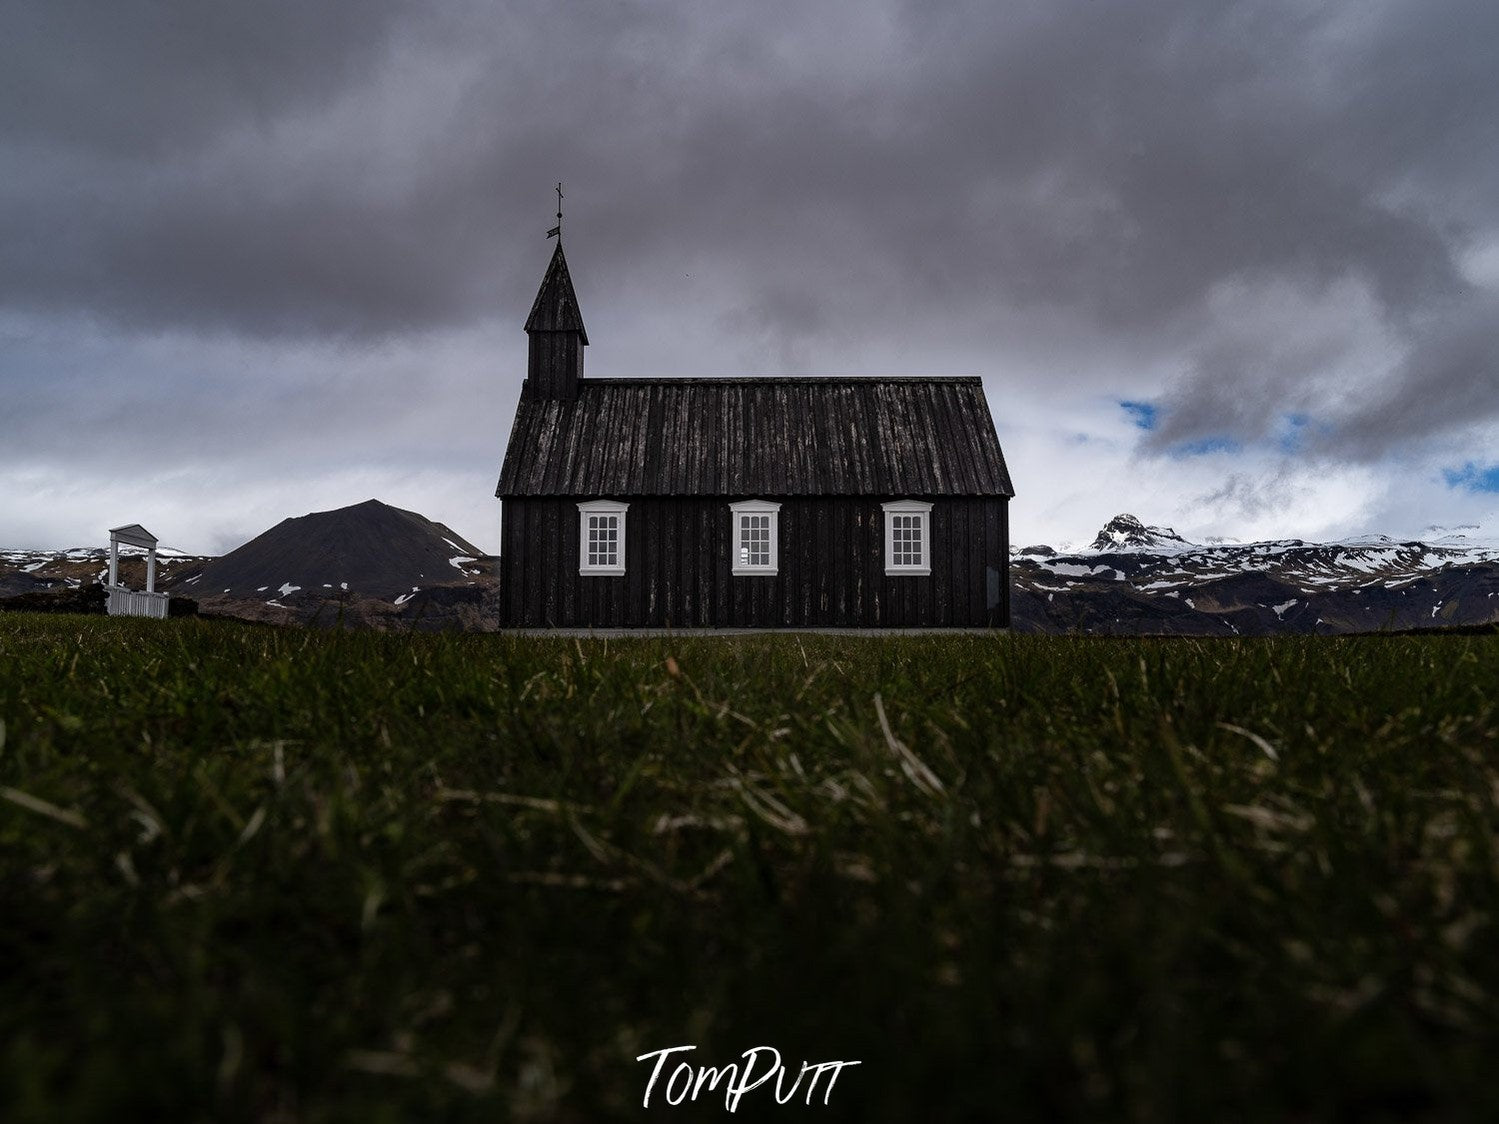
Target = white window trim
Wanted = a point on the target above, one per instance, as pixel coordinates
(908, 507)
(756, 507)
(600, 507)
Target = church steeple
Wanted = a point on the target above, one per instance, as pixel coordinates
(557, 335)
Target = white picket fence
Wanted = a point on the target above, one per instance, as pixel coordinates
(136, 603)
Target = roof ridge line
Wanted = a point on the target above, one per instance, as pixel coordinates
(669, 380)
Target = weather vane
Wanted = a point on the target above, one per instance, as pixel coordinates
(556, 231)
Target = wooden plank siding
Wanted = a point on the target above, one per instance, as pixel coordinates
(832, 568)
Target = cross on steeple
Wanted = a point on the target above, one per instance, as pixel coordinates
(556, 231)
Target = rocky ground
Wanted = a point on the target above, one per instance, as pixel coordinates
(467, 607)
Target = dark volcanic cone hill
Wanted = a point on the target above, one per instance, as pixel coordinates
(370, 548)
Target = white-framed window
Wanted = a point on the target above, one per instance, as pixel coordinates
(908, 533)
(601, 537)
(757, 536)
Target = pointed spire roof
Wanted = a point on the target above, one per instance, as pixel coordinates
(556, 307)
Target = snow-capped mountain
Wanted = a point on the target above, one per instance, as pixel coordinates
(30, 571)
(367, 564)
(1125, 532)
(1137, 578)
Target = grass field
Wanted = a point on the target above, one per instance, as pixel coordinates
(252, 874)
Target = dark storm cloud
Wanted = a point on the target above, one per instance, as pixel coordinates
(150, 79)
(361, 171)
(160, 181)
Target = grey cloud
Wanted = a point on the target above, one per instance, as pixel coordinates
(143, 405)
(1269, 352)
(133, 78)
(1448, 381)
(365, 173)
(1243, 497)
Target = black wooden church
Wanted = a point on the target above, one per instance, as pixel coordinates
(745, 502)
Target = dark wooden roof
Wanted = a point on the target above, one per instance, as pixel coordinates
(556, 307)
(757, 437)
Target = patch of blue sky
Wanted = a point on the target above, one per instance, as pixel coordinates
(1204, 447)
(1145, 415)
(1471, 478)
(1293, 432)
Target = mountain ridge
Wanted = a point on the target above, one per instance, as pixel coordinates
(368, 564)
(381, 566)
(1137, 578)
(1125, 532)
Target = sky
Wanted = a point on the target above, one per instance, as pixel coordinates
(1232, 267)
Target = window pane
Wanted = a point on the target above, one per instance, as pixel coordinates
(754, 547)
(906, 540)
(754, 540)
(603, 540)
(757, 539)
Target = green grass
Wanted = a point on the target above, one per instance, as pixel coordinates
(252, 874)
